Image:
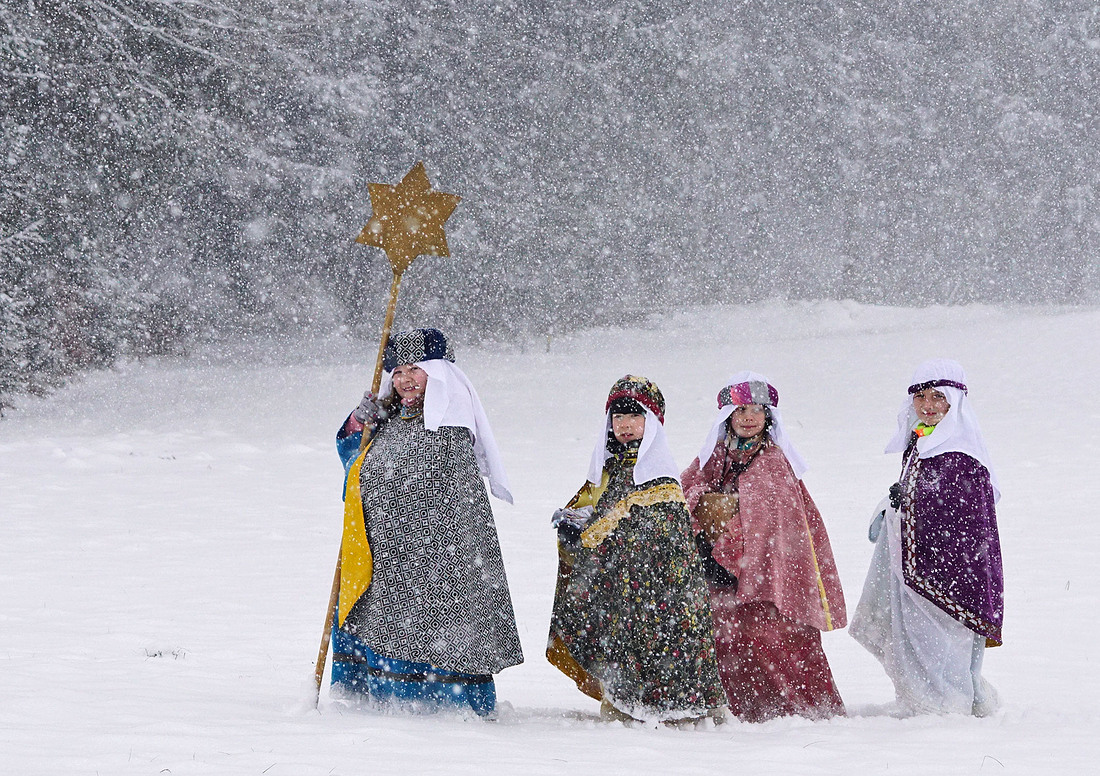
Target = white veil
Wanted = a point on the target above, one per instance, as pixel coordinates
(450, 400)
(958, 431)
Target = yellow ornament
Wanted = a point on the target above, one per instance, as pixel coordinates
(407, 219)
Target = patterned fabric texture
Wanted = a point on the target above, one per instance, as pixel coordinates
(412, 347)
(640, 389)
(631, 624)
(438, 593)
(951, 550)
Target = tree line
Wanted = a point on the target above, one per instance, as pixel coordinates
(176, 170)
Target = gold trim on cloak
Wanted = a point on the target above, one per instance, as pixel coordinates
(594, 534)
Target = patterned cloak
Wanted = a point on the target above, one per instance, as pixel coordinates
(437, 589)
(951, 552)
(631, 623)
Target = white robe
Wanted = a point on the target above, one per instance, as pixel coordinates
(934, 661)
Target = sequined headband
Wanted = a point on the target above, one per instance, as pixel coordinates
(917, 388)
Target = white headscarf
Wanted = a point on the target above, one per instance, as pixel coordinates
(654, 457)
(450, 400)
(777, 433)
(958, 432)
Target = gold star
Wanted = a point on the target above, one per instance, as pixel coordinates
(407, 219)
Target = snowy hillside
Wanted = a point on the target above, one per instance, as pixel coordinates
(168, 532)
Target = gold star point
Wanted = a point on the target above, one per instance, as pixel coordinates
(407, 219)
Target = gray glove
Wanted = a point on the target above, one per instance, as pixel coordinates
(577, 517)
(369, 412)
(571, 523)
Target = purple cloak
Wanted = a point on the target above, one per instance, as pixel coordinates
(951, 553)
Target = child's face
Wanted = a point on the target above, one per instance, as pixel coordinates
(409, 381)
(748, 420)
(627, 426)
(930, 405)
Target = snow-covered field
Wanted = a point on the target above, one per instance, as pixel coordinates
(168, 532)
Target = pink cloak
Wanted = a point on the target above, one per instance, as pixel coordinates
(768, 632)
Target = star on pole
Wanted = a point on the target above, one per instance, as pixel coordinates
(407, 219)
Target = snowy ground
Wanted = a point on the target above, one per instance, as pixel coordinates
(168, 532)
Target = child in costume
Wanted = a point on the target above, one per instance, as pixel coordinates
(773, 582)
(630, 623)
(934, 595)
(425, 617)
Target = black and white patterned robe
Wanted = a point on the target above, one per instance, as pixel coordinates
(438, 593)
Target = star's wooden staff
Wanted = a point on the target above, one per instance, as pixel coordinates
(406, 221)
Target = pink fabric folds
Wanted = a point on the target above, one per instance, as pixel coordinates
(787, 558)
(770, 665)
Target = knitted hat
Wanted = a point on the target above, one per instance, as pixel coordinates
(749, 392)
(412, 347)
(641, 390)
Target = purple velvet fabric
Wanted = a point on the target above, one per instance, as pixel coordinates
(951, 553)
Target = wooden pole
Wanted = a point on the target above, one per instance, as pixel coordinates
(387, 326)
(326, 634)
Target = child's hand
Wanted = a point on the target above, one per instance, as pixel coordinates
(571, 523)
(369, 412)
(574, 517)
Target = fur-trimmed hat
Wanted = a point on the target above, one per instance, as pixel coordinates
(641, 390)
(749, 392)
(412, 347)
